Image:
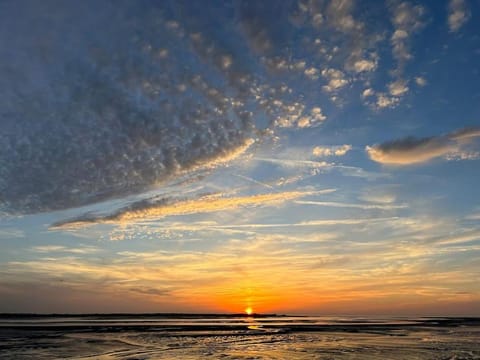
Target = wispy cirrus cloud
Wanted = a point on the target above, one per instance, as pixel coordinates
(11, 233)
(411, 150)
(352, 205)
(82, 250)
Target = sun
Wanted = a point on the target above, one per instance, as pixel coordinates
(249, 311)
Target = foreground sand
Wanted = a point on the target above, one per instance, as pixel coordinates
(242, 339)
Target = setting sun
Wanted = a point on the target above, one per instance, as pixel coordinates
(249, 311)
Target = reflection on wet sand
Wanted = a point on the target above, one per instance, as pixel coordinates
(248, 337)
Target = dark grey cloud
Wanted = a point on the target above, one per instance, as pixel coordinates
(99, 100)
(412, 150)
(102, 100)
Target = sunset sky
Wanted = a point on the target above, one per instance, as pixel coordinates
(299, 156)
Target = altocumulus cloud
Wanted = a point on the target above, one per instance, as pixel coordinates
(411, 150)
(458, 14)
(99, 104)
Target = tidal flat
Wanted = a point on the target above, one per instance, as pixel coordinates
(159, 336)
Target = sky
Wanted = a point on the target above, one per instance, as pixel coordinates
(299, 156)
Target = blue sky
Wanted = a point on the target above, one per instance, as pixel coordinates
(296, 156)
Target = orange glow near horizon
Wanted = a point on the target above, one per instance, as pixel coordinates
(249, 310)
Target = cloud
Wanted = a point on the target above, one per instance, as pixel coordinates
(254, 28)
(308, 223)
(413, 150)
(113, 114)
(316, 117)
(336, 80)
(420, 81)
(352, 205)
(458, 14)
(398, 88)
(11, 233)
(296, 163)
(331, 150)
(63, 249)
(365, 65)
(368, 92)
(339, 15)
(379, 195)
(97, 113)
(311, 73)
(386, 101)
(313, 167)
(293, 115)
(406, 19)
(474, 216)
(146, 210)
(458, 238)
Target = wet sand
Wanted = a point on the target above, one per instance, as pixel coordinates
(236, 337)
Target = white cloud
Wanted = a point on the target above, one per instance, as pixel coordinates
(399, 35)
(420, 81)
(364, 65)
(352, 205)
(407, 19)
(398, 87)
(385, 101)
(339, 16)
(378, 196)
(63, 249)
(368, 92)
(317, 19)
(289, 114)
(315, 117)
(312, 73)
(336, 79)
(317, 114)
(458, 14)
(331, 150)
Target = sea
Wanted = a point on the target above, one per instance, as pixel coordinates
(235, 336)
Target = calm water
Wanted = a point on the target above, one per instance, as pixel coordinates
(236, 337)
